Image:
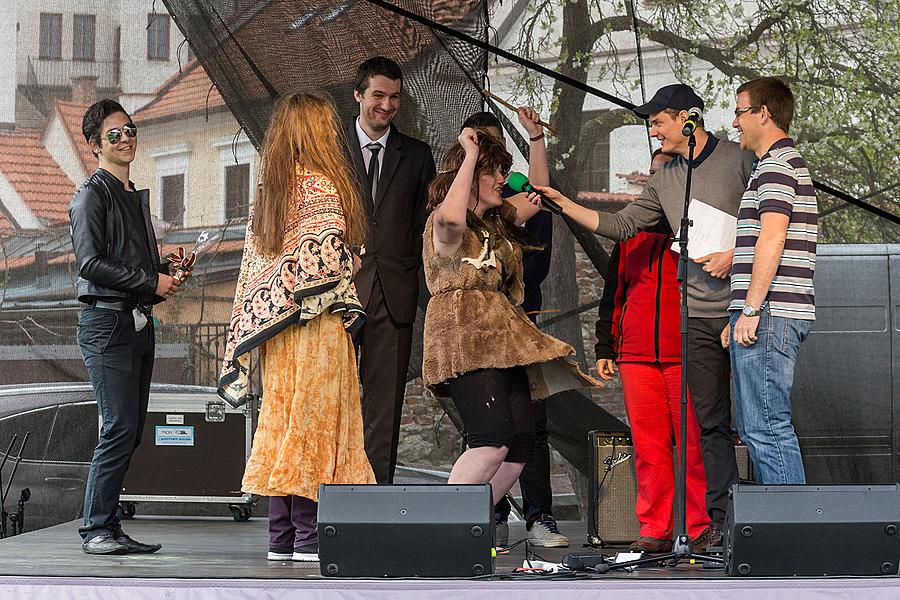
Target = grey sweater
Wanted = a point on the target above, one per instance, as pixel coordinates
(721, 173)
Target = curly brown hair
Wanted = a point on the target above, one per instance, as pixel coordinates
(492, 155)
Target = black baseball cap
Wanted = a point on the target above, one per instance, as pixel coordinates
(678, 96)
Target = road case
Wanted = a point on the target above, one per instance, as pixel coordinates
(193, 449)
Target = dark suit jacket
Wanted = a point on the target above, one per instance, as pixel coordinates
(396, 220)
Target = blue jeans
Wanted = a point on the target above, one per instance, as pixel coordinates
(763, 375)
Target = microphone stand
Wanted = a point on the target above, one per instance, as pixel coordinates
(682, 548)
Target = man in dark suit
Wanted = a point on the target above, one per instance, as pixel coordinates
(394, 171)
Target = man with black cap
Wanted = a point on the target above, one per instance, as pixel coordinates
(721, 172)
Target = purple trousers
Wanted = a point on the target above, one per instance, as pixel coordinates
(292, 522)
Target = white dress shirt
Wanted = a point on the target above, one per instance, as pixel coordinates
(366, 153)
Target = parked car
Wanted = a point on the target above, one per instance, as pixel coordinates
(63, 423)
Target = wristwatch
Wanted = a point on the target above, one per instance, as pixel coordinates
(749, 311)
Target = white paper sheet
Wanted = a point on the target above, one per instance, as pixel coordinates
(713, 230)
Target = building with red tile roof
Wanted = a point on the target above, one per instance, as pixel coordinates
(63, 138)
(190, 92)
(34, 190)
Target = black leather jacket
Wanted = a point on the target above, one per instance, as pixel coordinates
(115, 249)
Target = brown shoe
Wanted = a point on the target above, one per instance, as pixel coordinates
(650, 545)
(711, 538)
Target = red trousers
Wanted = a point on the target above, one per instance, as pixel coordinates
(653, 403)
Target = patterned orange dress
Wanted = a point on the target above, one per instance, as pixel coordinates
(298, 308)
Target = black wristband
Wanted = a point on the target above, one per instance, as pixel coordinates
(537, 137)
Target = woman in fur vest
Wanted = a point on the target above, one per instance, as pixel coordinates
(479, 347)
(296, 303)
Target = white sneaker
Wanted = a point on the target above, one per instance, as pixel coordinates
(544, 532)
(308, 553)
(276, 555)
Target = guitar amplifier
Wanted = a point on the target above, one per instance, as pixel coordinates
(612, 487)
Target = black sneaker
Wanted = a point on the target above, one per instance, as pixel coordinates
(306, 553)
(136, 547)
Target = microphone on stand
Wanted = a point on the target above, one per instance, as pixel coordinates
(519, 183)
(695, 115)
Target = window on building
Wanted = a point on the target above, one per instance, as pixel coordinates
(51, 36)
(173, 198)
(157, 37)
(593, 163)
(237, 191)
(83, 30)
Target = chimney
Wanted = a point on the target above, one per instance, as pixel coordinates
(84, 89)
(40, 263)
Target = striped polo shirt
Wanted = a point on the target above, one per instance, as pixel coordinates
(779, 183)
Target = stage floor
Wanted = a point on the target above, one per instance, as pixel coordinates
(206, 558)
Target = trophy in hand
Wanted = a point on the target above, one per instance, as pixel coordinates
(184, 263)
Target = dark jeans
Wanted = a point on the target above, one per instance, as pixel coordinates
(709, 380)
(537, 496)
(119, 362)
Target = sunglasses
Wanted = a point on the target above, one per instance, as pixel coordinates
(115, 135)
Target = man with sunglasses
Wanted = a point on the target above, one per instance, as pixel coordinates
(120, 276)
(772, 297)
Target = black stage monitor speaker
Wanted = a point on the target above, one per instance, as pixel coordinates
(406, 530)
(811, 530)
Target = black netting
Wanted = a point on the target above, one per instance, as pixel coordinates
(281, 47)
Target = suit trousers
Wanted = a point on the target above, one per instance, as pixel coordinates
(709, 381)
(383, 364)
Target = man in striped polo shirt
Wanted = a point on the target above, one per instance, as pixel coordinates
(772, 300)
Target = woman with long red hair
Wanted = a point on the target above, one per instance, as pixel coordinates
(296, 303)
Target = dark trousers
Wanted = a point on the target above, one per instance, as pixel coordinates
(119, 362)
(292, 522)
(537, 496)
(383, 363)
(709, 380)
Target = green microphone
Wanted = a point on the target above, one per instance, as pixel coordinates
(519, 183)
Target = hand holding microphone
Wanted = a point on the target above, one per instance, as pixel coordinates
(519, 183)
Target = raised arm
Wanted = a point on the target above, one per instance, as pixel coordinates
(450, 215)
(538, 172)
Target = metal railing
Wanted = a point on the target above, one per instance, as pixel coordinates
(198, 347)
(60, 72)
